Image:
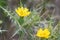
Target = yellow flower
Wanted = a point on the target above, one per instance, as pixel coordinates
(22, 11)
(43, 33)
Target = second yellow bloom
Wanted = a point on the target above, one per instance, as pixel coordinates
(43, 33)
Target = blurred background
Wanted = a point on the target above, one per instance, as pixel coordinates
(46, 8)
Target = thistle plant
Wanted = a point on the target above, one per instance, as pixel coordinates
(29, 25)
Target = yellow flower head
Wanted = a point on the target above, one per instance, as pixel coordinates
(22, 11)
(43, 33)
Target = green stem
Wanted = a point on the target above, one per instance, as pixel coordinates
(21, 3)
(21, 20)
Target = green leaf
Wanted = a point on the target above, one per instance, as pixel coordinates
(1, 22)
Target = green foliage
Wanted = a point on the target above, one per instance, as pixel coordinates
(27, 27)
(3, 2)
